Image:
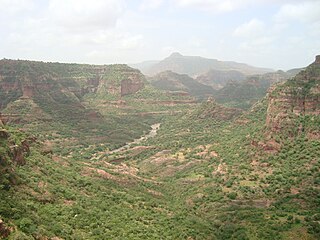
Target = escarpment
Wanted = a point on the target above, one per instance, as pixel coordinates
(28, 79)
(291, 102)
(48, 91)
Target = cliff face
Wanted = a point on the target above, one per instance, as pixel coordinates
(131, 85)
(299, 97)
(15, 151)
(27, 79)
(50, 91)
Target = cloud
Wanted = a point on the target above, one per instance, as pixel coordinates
(113, 39)
(252, 28)
(150, 4)
(12, 7)
(84, 15)
(229, 5)
(195, 42)
(69, 30)
(215, 5)
(304, 11)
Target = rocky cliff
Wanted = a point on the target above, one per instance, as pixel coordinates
(14, 149)
(49, 91)
(26, 79)
(295, 104)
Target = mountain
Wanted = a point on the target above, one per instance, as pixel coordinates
(55, 90)
(194, 66)
(218, 79)
(56, 98)
(245, 93)
(296, 102)
(171, 81)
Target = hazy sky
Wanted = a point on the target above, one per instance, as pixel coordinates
(268, 33)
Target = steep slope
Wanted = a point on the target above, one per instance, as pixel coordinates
(171, 81)
(247, 92)
(296, 102)
(53, 86)
(194, 66)
(28, 79)
(48, 98)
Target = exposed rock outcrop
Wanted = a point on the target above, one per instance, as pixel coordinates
(28, 79)
(298, 97)
(20, 152)
(1, 122)
(131, 85)
(16, 151)
(51, 91)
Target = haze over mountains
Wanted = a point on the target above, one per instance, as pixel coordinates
(195, 65)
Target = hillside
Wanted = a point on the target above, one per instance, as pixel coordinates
(295, 102)
(243, 94)
(57, 100)
(50, 99)
(195, 66)
(202, 171)
(171, 81)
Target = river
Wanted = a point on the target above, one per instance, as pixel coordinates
(153, 132)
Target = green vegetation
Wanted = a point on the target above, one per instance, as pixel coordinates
(208, 172)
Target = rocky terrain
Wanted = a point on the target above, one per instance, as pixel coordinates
(64, 82)
(156, 164)
(298, 98)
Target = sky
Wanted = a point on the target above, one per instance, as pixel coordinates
(278, 34)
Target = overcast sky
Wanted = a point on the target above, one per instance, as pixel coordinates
(279, 34)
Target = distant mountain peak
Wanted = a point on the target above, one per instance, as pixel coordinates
(175, 55)
(196, 65)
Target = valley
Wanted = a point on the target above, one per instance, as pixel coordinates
(105, 152)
